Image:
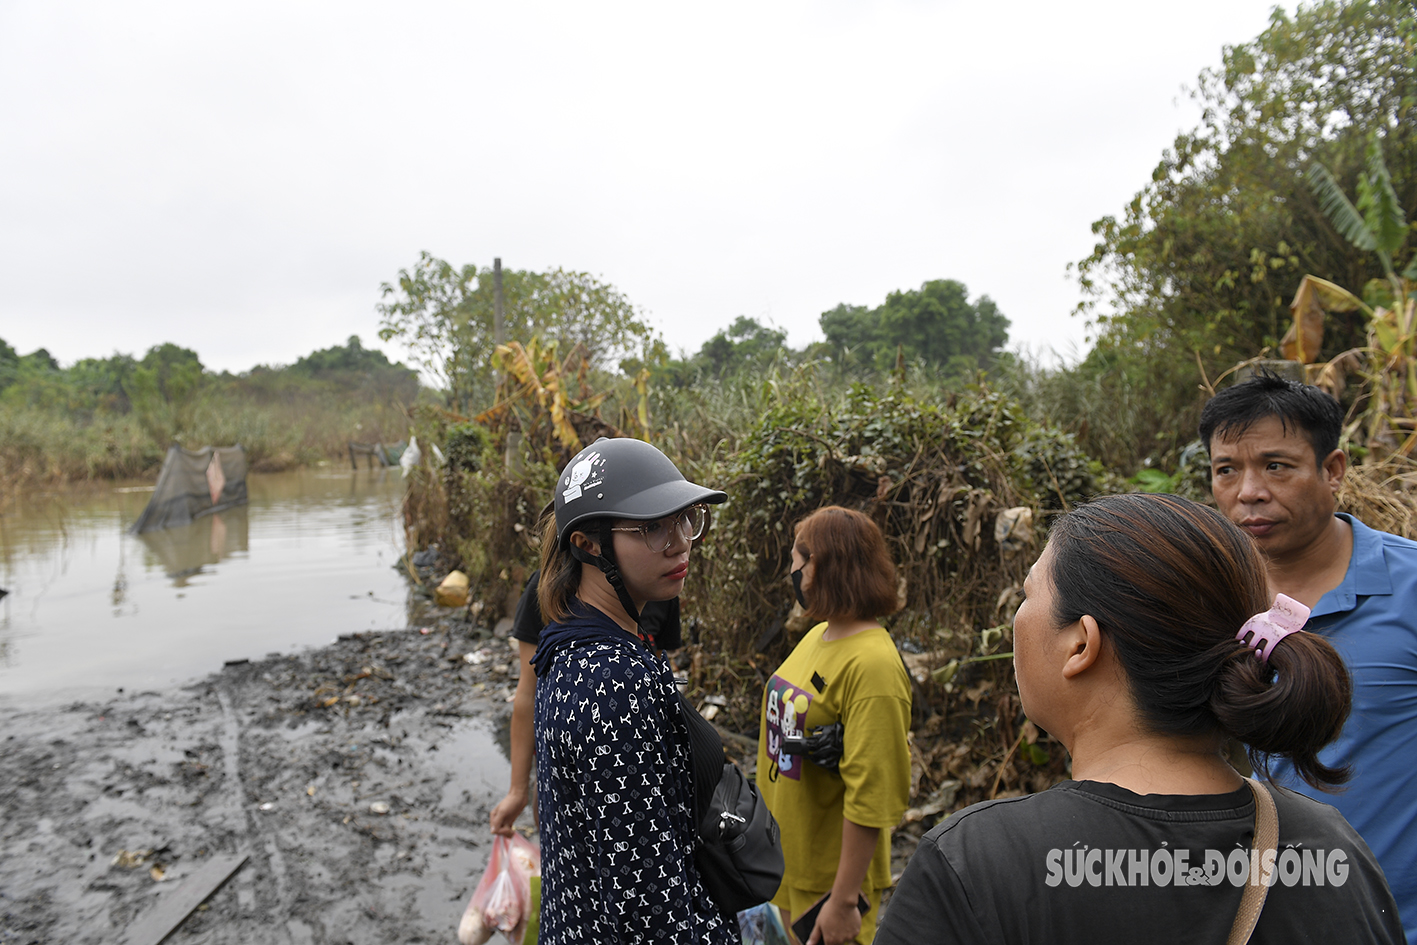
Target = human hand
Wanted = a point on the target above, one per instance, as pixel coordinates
(837, 923)
(505, 814)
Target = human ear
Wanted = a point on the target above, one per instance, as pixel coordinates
(584, 542)
(1084, 641)
(1335, 464)
(805, 567)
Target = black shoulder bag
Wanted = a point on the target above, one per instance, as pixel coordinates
(738, 849)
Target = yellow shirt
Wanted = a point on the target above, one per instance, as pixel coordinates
(861, 682)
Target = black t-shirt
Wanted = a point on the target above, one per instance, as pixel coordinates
(659, 620)
(1093, 863)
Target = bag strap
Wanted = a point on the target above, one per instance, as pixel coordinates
(705, 756)
(1266, 838)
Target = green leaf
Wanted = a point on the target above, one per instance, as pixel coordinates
(1153, 480)
(1382, 210)
(1340, 212)
(1385, 332)
(1036, 754)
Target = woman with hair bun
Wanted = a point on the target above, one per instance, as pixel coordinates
(833, 760)
(614, 769)
(1147, 638)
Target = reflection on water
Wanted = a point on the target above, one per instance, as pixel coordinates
(183, 552)
(310, 557)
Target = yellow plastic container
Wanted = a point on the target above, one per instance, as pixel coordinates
(453, 591)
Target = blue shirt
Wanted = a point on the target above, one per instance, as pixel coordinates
(1371, 619)
(615, 794)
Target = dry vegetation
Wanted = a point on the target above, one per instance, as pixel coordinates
(938, 475)
(1383, 495)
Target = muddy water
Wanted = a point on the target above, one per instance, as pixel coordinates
(364, 817)
(92, 608)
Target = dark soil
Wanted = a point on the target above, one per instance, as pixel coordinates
(358, 778)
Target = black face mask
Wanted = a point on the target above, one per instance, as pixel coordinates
(797, 587)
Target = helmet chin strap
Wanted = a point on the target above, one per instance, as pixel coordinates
(606, 563)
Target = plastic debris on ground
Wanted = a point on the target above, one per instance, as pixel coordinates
(411, 455)
(452, 590)
(762, 925)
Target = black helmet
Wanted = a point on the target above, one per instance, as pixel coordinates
(623, 478)
(620, 478)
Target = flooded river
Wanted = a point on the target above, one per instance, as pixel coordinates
(91, 607)
(360, 796)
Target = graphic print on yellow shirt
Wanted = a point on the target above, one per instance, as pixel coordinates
(860, 682)
(786, 715)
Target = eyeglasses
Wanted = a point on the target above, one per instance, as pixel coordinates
(659, 534)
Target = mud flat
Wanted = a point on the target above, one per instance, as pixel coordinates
(357, 778)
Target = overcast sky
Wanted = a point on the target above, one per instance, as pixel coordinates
(239, 178)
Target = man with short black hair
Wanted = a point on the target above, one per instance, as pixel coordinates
(1276, 469)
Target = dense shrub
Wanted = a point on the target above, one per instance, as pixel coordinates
(933, 476)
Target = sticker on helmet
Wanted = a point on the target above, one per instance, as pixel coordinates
(578, 477)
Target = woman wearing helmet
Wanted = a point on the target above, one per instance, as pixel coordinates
(613, 766)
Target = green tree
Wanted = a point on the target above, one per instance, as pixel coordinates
(163, 390)
(743, 347)
(577, 308)
(851, 332)
(936, 325)
(35, 378)
(355, 371)
(445, 315)
(746, 344)
(1204, 259)
(90, 385)
(1207, 255)
(350, 357)
(430, 311)
(40, 361)
(98, 383)
(9, 365)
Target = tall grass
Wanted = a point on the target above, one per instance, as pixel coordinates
(43, 446)
(39, 445)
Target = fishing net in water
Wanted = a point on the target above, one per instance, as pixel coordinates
(194, 483)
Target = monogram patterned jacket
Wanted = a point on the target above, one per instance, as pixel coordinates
(615, 794)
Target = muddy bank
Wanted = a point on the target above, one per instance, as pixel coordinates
(358, 777)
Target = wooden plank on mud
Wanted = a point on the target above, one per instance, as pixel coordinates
(173, 909)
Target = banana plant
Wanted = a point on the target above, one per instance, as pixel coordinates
(1377, 223)
(539, 387)
(1388, 363)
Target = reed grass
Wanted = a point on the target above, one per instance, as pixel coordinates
(1383, 495)
(41, 446)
